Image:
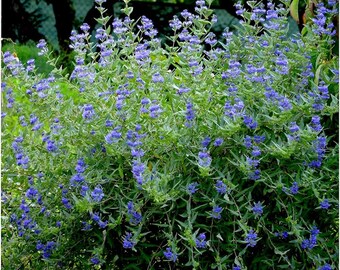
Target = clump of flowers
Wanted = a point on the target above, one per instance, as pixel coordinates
(208, 153)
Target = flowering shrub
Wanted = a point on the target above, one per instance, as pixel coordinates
(204, 154)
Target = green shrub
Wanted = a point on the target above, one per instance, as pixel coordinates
(202, 155)
(26, 52)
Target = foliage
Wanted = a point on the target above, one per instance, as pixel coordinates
(28, 51)
(25, 52)
(200, 155)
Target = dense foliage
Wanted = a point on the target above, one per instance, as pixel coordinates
(200, 155)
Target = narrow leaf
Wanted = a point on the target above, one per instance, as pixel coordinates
(294, 10)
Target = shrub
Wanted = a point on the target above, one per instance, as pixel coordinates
(29, 51)
(200, 155)
(25, 52)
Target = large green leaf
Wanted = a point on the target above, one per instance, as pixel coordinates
(294, 10)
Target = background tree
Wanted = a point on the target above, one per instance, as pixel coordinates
(18, 24)
(64, 16)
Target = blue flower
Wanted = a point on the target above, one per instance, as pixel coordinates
(128, 243)
(21, 119)
(113, 136)
(253, 162)
(42, 45)
(66, 203)
(312, 241)
(48, 248)
(182, 90)
(31, 193)
(80, 167)
(95, 217)
(282, 64)
(320, 25)
(259, 139)
(169, 255)
(251, 238)
(33, 119)
(325, 204)
(247, 141)
(233, 110)
(211, 40)
(305, 243)
(155, 109)
(218, 142)
(142, 53)
(234, 70)
(258, 209)
(86, 226)
(249, 122)
(97, 194)
(138, 169)
(315, 124)
(95, 260)
(190, 114)
(216, 212)
(147, 24)
(323, 90)
(102, 224)
(325, 267)
(314, 231)
(175, 23)
(294, 188)
(184, 35)
(85, 27)
(40, 246)
(78, 178)
(256, 151)
(88, 112)
(192, 188)
(284, 235)
(200, 241)
(118, 29)
(255, 175)
(204, 159)
(135, 217)
(293, 128)
(320, 148)
(26, 223)
(206, 142)
(187, 15)
(221, 187)
(157, 78)
(51, 147)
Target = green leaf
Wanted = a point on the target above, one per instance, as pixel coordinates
(317, 73)
(127, 10)
(294, 10)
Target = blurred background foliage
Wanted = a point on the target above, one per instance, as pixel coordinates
(26, 21)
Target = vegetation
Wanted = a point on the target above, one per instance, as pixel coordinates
(198, 155)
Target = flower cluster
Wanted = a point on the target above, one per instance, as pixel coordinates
(170, 255)
(253, 161)
(251, 238)
(216, 212)
(201, 241)
(312, 241)
(128, 242)
(46, 249)
(135, 217)
(96, 218)
(21, 158)
(258, 209)
(192, 188)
